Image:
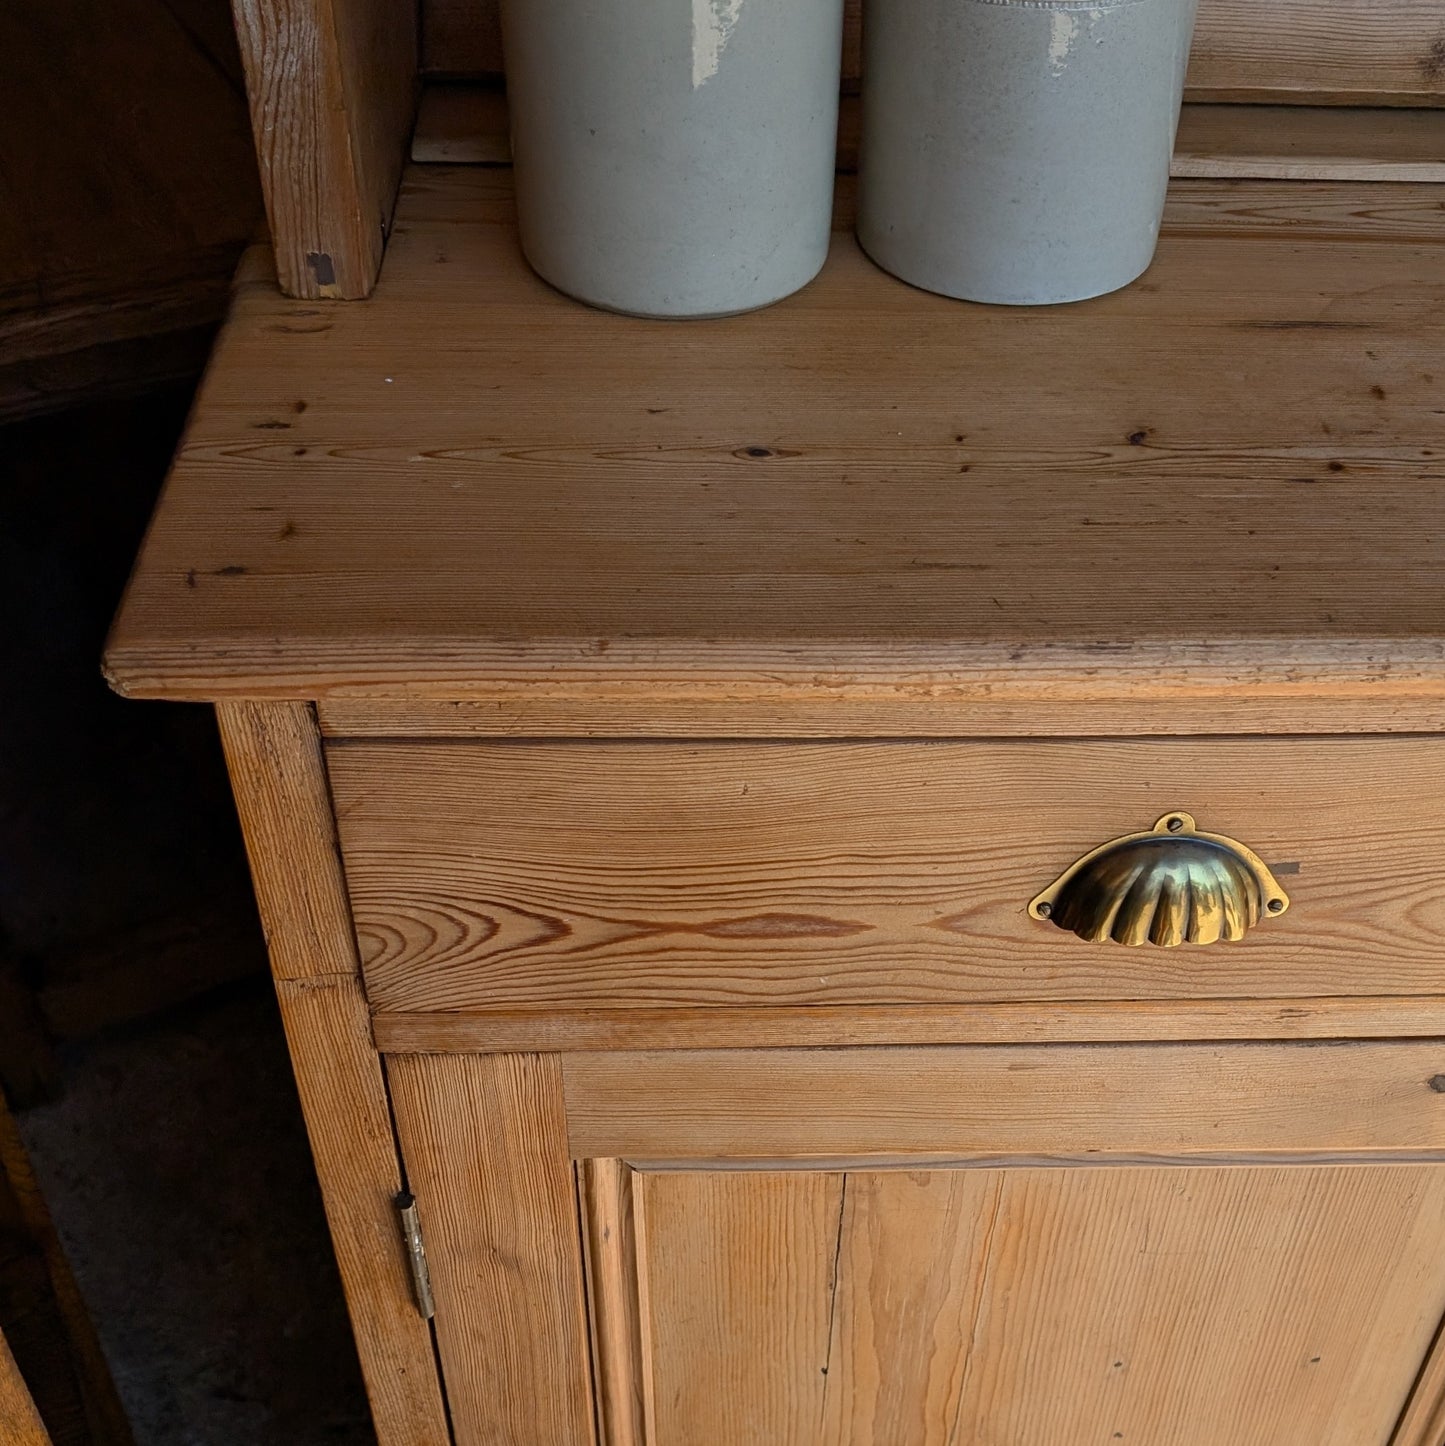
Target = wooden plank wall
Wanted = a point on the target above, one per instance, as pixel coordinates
(1347, 51)
(127, 193)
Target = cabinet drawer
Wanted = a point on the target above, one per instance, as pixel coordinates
(507, 874)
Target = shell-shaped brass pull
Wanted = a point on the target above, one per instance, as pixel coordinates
(1170, 886)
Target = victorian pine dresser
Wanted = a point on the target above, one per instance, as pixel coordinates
(721, 796)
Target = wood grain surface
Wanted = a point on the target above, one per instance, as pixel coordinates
(1073, 1101)
(613, 874)
(735, 1278)
(283, 797)
(1337, 51)
(1309, 143)
(1341, 50)
(1423, 1421)
(1203, 1307)
(278, 776)
(464, 124)
(538, 711)
(332, 85)
(824, 1026)
(20, 1423)
(486, 1155)
(609, 1236)
(1221, 481)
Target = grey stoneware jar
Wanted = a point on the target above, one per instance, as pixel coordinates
(674, 158)
(1017, 151)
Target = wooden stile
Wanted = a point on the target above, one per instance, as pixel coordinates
(609, 1235)
(486, 1148)
(278, 775)
(508, 1031)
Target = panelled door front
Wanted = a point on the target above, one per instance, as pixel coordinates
(1196, 1306)
(1232, 1245)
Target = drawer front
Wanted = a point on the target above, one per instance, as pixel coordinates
(506, 874)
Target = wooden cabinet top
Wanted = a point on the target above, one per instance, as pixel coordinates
(1228, 478)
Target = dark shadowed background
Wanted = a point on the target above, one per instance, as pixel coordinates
(139, 1043)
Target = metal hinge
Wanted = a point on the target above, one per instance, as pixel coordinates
(415, 1253)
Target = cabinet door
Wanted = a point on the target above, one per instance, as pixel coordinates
(1178, 1245)
(1195, 1306)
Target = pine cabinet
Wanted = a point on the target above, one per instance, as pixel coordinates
(867, 873)
(1073, 1242)
(656, 803)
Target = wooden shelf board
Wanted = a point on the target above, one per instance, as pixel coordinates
(467, 125)
(1222, 482)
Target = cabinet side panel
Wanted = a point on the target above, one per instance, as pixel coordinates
(332, 85)
(273, 752)
(485, 1142)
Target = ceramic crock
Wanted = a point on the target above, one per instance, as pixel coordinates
(1017, 151)
(674, 158)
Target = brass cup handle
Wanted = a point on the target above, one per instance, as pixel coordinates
(1170, 886)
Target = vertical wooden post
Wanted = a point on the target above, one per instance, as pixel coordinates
(486, 1147)
(332, 85)
(278, 773)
